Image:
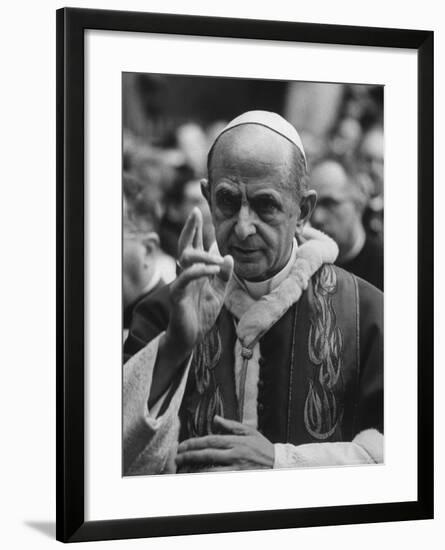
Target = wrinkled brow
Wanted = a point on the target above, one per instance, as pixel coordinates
(227, 186)
(265, 194)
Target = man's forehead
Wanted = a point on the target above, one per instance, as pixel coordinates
(250, 187)
(250, 184)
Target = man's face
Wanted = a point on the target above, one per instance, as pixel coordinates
(134, 256)
(335, 212)
(253, 202)
(138, 264)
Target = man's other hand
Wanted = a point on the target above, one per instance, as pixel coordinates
(239, 448)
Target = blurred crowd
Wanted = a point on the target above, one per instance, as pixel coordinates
(161, 185)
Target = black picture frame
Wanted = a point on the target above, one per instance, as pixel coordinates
(71, 24)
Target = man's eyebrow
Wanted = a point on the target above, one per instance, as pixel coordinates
(226, 187)
(266, 194)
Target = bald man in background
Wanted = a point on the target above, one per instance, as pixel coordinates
(261, 354)
(339, 213)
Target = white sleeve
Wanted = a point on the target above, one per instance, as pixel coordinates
(365, 448)
(149, 440)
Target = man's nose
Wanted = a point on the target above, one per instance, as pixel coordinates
(245, 225)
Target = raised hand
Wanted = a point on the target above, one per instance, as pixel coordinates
(197, 295)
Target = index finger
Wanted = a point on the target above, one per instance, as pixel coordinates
(187, 235)
(206, 442)
(197, 239)
(231, 426)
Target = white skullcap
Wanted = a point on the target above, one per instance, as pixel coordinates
(270, 120)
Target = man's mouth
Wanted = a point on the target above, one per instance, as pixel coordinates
(244, 251)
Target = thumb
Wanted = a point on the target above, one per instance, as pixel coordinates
(231, 426)
(221, 279)
(226, 268)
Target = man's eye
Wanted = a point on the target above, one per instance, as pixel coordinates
(227, 202)
(328, 203)
(265, 206)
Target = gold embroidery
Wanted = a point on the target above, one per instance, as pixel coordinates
(325, 345)
(205, 358)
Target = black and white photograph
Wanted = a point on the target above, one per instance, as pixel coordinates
(252, 274)
(221, 277)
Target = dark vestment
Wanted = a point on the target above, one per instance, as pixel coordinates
(129, 310)
(321, 365)
(368, 264)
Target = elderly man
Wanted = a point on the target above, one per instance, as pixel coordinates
(260, 354)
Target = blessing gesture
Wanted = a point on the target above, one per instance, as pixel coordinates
(196, 296)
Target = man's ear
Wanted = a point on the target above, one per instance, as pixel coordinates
(150, 242)
(307, 205)
(205, 189)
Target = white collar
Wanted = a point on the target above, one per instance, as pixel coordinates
(256, 316)
(261, 288)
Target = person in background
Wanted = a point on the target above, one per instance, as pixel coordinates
(370, 158)
(145, 267)
(346, 137)
(192, 141)
(184, 195)
(338, 212)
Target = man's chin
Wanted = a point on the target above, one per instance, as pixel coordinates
(249, 272)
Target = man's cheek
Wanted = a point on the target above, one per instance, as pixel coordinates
(222, 232)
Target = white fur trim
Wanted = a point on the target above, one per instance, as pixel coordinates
(365, 448)
(372, 442)
(256, 317)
